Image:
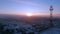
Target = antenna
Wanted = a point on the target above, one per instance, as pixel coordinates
(51, 15)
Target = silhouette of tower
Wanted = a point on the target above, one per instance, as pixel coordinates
(51, 15)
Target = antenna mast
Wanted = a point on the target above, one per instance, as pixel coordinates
(51, 15)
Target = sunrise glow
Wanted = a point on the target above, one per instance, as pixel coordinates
(29, 14)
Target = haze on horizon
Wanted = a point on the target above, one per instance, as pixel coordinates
(29, 6)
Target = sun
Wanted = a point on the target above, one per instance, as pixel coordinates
(29, 14)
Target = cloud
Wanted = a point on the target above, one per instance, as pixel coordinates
(30, 3)
(15, 0)
(26, 2)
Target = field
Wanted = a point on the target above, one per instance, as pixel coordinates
(10, 24)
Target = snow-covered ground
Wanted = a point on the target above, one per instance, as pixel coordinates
(53, 30)
(24, 28)
(29, 28)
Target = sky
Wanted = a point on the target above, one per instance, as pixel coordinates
(29, 6)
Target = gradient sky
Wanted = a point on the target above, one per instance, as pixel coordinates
(28, 6)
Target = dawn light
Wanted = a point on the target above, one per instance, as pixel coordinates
(29, 14)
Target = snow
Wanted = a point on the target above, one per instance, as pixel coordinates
(29, 28)
(17, 26)
(53, 30)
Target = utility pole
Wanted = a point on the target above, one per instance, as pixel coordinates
(51, 15)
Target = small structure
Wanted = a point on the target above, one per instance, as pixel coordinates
(51, 15)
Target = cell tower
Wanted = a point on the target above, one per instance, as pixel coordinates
(51, 15)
